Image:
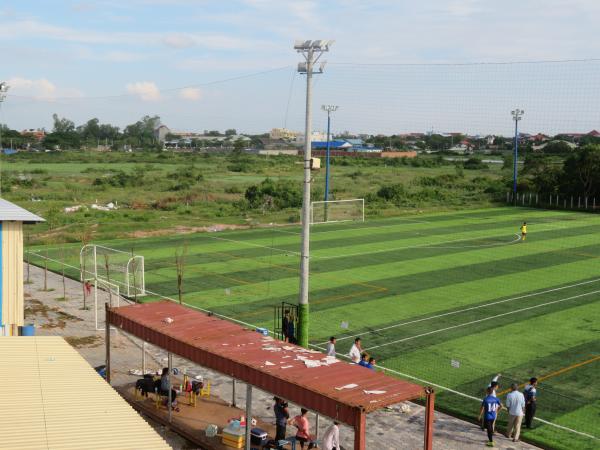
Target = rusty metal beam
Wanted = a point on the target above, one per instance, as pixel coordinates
(360, 431)
(429, 412)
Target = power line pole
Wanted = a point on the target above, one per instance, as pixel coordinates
(517, 115)
(3, 90)
(312, 51)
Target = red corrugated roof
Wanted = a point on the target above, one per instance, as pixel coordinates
(247, 356)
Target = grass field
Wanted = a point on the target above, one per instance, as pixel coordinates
(449, 298)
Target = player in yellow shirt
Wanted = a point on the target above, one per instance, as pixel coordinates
(524, 231)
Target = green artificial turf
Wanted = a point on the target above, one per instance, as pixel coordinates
(448, 298)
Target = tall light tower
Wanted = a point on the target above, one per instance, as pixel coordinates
(312, 52)
(3, 90)
(328, 109)
(517, 115)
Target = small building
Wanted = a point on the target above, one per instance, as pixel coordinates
(333, 145)
(160, 133)
(59, 402)
(12, 218)
(282, 134)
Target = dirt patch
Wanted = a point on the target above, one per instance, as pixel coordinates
(180, 229)
(54, 324)
(83, 341)
(34, 307)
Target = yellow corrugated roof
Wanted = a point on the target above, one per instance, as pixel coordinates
(53, 399)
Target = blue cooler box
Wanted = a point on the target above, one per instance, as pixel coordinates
(258, 436)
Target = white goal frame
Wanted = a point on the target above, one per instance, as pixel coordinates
(114, 299)
(131, 287)
(325, 203)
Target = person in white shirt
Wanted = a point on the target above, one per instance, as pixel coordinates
(355, 351)
(331, 346)
(515, 403)
(331, 438)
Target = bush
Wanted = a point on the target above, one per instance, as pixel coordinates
(475, 164)
(271, 194)
(392, 193)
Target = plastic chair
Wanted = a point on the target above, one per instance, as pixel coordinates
(205, 391)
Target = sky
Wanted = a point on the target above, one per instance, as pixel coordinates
(396, 66)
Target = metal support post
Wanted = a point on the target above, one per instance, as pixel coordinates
(317, 427)
(360, 429)
(143, 358)
(247, 445)
(107, 342)
(233, 383)
(429, 412)
(170, 400)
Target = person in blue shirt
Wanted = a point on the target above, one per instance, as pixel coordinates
(363, 360)
(371, 363)
(489, 410)
(530, 393)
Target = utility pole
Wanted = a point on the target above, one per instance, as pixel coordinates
(3, 91)
(517, 115)
(329, 109)
(312, 51)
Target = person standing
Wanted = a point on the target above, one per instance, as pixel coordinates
(524, 231)
(331, 438)
(489, 409)
(355, 351)
(285, 324)
(515, 403)
(331, 346)
(530, 393)
(303, 427)
(282, 416)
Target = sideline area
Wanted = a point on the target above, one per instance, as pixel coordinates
(65, 318)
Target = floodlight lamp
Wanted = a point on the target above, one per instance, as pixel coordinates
(302, 67)
(3, 87)
(298, 44)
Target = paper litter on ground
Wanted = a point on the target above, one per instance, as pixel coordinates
(312, 363)
(374, 392)
(269, 363)
(347, 386)
(286, 367)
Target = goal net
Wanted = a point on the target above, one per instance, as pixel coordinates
(116, 267)
(337, 211)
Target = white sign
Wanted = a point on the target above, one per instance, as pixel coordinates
(454, 363)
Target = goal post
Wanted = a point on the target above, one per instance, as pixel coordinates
(332, 211)
(123, 269)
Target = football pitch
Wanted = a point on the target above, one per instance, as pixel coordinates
(449, 299)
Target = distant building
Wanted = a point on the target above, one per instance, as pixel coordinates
(315, 136)
(160, 133)
(12, 218)
(38, 134)
(282, 134)
(337, 145)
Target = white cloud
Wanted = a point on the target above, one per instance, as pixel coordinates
(146, 90)
(190, 94)
(42, 89)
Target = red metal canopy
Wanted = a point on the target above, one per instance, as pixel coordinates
(305, 377)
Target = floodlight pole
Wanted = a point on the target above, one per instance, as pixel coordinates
(329, 109)
(517, 115)
(3, 90)
(312, 51)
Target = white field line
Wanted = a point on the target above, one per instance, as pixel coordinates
(427, 245)
(451, 313)
(254, 245)
(461, 394)
(482, 320)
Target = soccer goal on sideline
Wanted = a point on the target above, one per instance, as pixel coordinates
(332, 211)
(116, 267)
